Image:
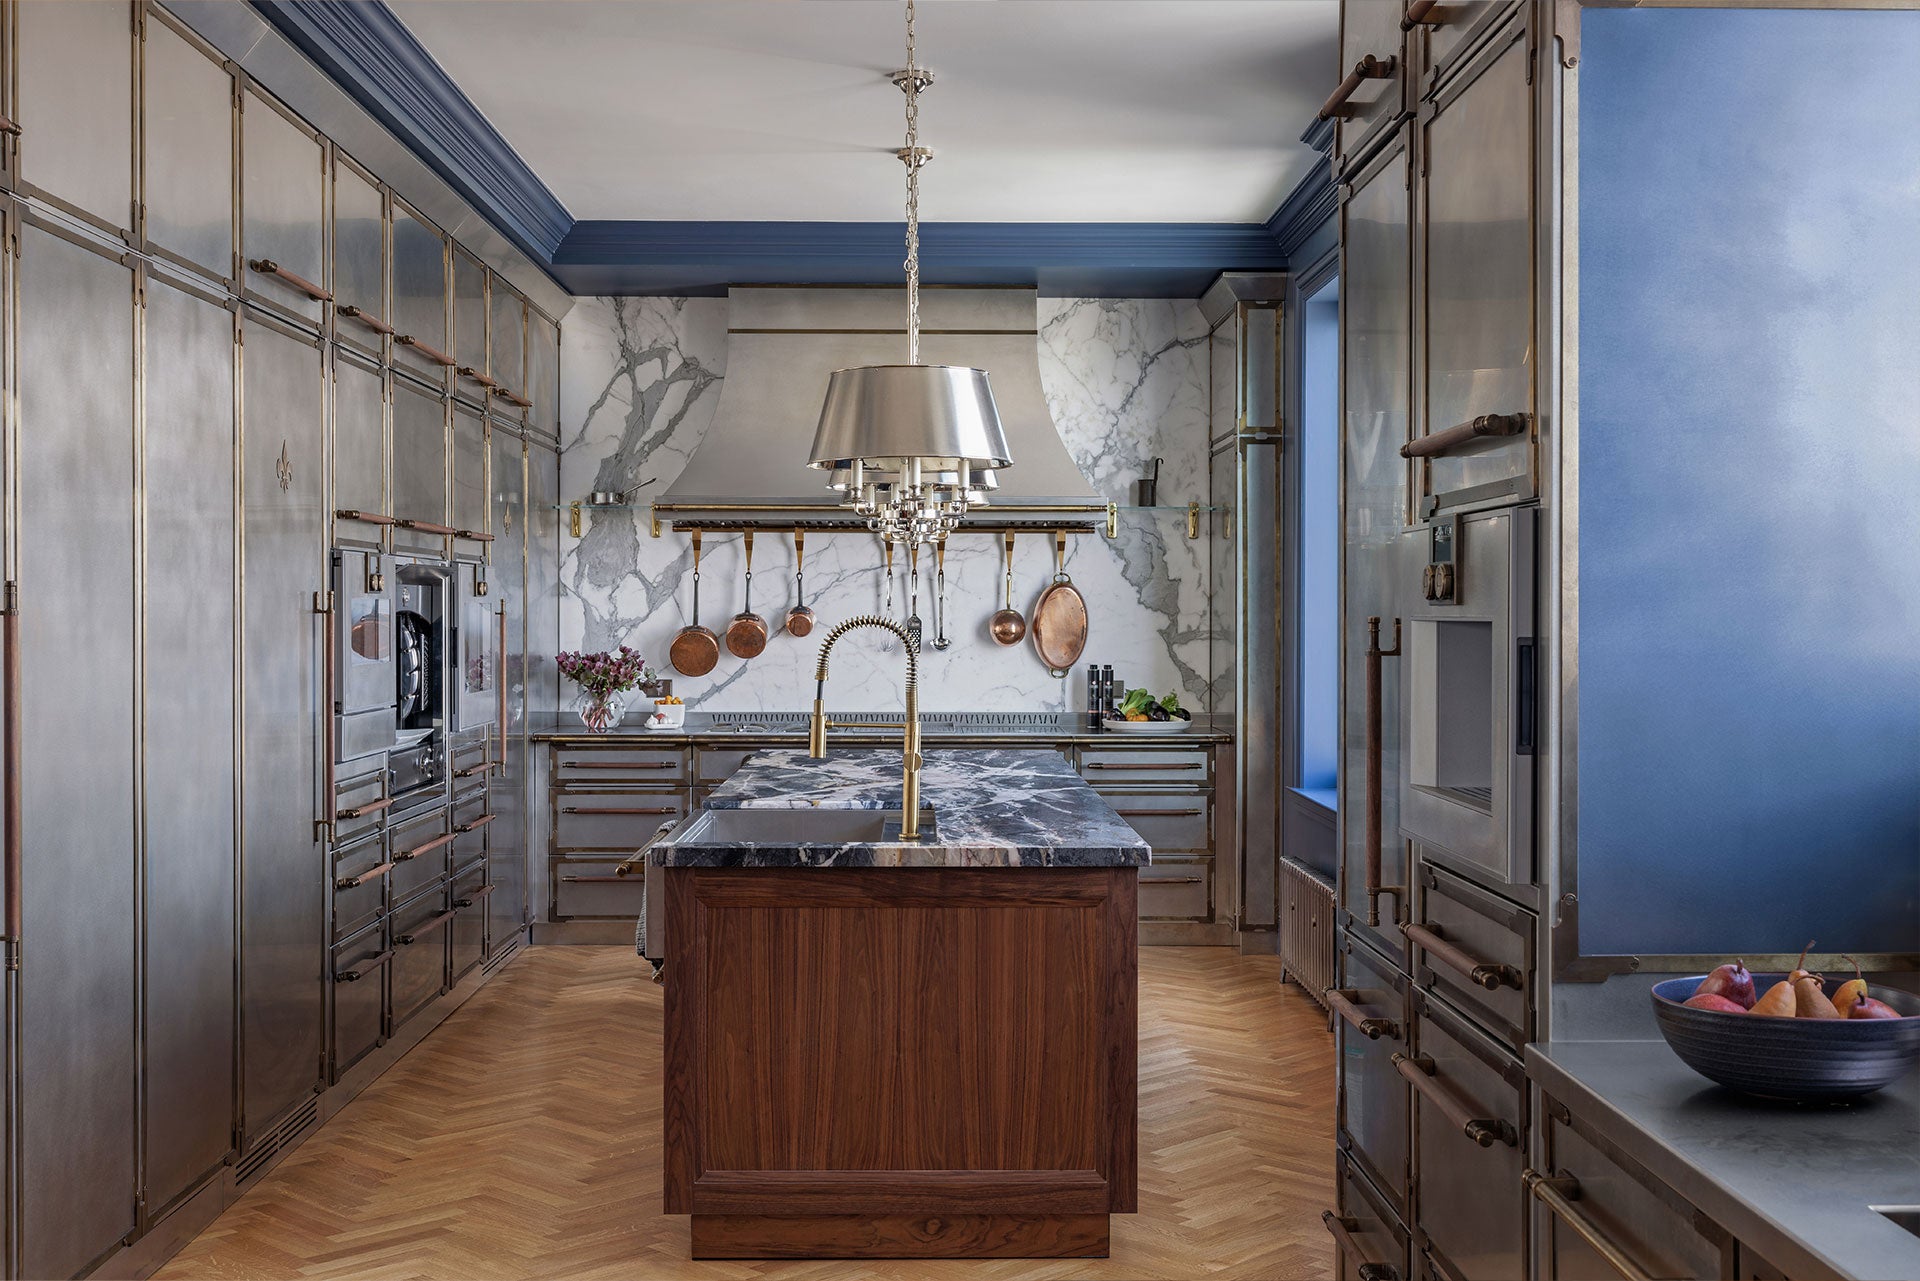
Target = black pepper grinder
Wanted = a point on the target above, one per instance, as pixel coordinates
(1093, 696)
(1110, 703)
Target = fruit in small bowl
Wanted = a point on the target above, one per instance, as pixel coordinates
(668, 713)
(1781, 1036)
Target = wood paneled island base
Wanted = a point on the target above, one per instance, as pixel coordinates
(900, 1062)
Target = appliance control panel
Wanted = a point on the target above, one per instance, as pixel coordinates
(1440, 578)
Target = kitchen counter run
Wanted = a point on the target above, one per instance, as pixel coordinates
(993, 808)
(1795, 1183)
(710, 728)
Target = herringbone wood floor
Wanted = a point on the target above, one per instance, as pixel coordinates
(520, 1139)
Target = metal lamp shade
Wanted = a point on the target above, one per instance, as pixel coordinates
(943, 415)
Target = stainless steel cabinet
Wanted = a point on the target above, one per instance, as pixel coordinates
(282, 209)
(1372, 1102)
(359, 443)
(543, 374)
(187, 123)
(469, 324)
(469, 479)
(508, 338)
(75, 100)
(189, 645)
(359, 258)
(74, 1095)
(282, 922)
(419, 456)
(420, 297)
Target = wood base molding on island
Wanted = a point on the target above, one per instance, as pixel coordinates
(900, 1062)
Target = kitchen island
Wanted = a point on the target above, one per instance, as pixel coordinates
(878, 1048)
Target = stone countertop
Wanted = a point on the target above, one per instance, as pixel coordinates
(993, 808)
(1796, 1183)
(709, 728)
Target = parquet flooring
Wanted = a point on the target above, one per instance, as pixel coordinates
(520, 1140)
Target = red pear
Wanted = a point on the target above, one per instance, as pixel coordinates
(1868, 1007)
(1731, 981)
(1714, 1001)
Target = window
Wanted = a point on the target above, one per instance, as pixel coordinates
(1317, 617)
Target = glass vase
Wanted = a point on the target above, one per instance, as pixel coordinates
(600, 711)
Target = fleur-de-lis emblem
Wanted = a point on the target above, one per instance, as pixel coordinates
(506, 519)
(284, 468)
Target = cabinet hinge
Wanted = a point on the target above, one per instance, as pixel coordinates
(323, 602)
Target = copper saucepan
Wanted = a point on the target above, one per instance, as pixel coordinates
(747, 633)
(695, 649)
(1060, 616)
(800, 617)
(1008, 625)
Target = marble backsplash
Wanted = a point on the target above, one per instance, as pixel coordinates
(1126, 380)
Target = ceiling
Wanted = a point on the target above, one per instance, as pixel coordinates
(1098, 111)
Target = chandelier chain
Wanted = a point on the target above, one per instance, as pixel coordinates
(912, 159)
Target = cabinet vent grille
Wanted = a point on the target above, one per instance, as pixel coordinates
(277, 1140)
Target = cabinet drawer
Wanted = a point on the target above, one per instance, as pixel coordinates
(597, 767)
(470, 827)
(360, 886)
(471, 762)
(359, 805)
(1369, 1238)
(1372, 1104)
(359, 997)
(419, 954)
(717, 764)
(467, 933)
(623, 821)
(1177, 891)
(418, 850)
(1476, 949)
(1173, 823)
(590, 888)
(1105, 767)
(1589, 1190)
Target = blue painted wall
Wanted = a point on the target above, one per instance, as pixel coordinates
(1749, 763)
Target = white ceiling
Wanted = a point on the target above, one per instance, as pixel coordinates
(1041, 111)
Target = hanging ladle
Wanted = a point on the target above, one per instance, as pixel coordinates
(800, 617)
(940, 640)
(1009, 625)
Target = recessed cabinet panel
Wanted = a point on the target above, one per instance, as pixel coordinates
(1451, 33)
(191, 795)
(282, 178)
(469, 473)
(1223, 357)
(509, 338)
(359, 439)
(359, 258)
(1370, 1028)
(75, 100)
(543, 374)
(507, 846)
(420, 297)
(419, 454)
(469, 321)
(189, 150)
(1470, 1207)
(543, 578)
(1368, 29)
(1477, 265)
(76, 557)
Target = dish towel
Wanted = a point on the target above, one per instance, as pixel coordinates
(638, 864)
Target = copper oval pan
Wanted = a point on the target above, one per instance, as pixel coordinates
(1059, 623)
(747, 633)
(695, 649)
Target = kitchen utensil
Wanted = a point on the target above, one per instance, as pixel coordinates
(940, 640)
(1008, 625)
(1806, 1060)
(1059, 622)
(747, 633)
(616, 497)
(886, 643)
(800, 617)
(1149, 485)
(695, 649)
(913, 593)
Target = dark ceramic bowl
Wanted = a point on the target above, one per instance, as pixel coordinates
(1802, 1060)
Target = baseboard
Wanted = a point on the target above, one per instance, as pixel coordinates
(583, 933)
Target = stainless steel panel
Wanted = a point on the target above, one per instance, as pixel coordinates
(469, 474)
(543, 578)
(282, 922)
(1376, 1230)
(1367, 28)
(543, 374)
(643, 767)
(508, 340)
(359, 885)
(188, 139)
(1259, 732)
(1177, 822)
(717, 764)
(358, 990)
(1470, 1206)
(1373, 1108)
(472, 826)
(1476, 268)
(363, 623)
(359, 443)
(419, 856)
(189, 644)
(469, 320)
(419, 454)
(1223, 586)
(419, 293)
(1498, 940)
(1175, 890)
(1105, 767)
(467, 934)
(508, 786)
(1376, 378)
(419, 969)
(75, 101)
(477, 673)
(357, 793)
(282, 204)
(1223, 377)
(622, 821)
(589, 887)
(76, 986)
(359, 255)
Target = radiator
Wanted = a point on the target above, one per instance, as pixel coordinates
(1307, 921)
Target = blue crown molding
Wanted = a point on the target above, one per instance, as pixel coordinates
(1306, 208)
(365, 48)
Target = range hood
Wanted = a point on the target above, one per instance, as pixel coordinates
(782, 344)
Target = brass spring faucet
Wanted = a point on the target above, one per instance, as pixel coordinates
(910, 748)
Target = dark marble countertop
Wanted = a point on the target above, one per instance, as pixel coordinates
(993, 808)
(709, 728)
(1796, 1183)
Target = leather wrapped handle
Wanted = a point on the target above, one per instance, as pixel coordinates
(425, 527)
(374, 323)
(1418, 15)
(1485, 1131)
(1558, 1195)
(365, 518)
(631, 764)
(615, 809)
(365, 968)
(434, 354)
(593, 880)
(404, 856)
(268, 267)
(512, 398)
(477, 895)
(1344, 1002)
(1486, 974)
(1170, 880)
(355, 882)
(1343, 1229)
(1148, 765)
(1485, 427)
(468, 371)
(425, 928)
(1368, 68)
(473, 535)
(471, 770)
(361, 811)
(474, 824)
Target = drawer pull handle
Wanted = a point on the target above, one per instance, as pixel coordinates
(1486, 1131)
(1343, 1229)
(511, 398)
(268, 267)
(619, 764)
(474, 896)
(434, 354)
(1485, 426)
(473, 536)
(471, 770)
(615, 809)
(593, 880)
(374, 323)
(1558, 1195)
(424, 526)
(363, 969)
(1147, 765)
(1343, 1001)
(1417, 15)
(1170, 880)
(1374, 655)
(365, 518)
(1160, 813)
(473, 825)
(402, 856)
(425, 928)
(361, 811)
(8, 125)
(355, 882)
(1481, 973)
(468, 371)
(1368, 68)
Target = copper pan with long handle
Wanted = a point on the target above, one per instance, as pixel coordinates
(1059, 623)
(695, 649)
(1008, 625)
(747, 633)
(800, 618)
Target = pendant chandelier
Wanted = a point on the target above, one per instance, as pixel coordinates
(910, 447)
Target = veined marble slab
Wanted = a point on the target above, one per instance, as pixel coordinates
(993, 808)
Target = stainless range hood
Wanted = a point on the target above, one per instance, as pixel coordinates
(784, 341)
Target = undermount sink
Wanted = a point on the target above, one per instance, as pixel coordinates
(1903, 1216)
(799, 827)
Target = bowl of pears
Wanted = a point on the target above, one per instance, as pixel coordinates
(1795, 1036)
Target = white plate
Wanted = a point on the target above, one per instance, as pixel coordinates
(1175, 726)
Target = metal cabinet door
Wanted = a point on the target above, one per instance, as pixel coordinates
(420, 297)
(283, 910)
(1223, 599)
(1373, 1109)
(187, 136)
(469, 460)
(1376, 395)
(508, 340)
(359, 442)
(76, 556)
(1476, 276)
(419, 455)
(282, 208)
(543, 374)
(507, 844)
(476, 675)
(359, 258)
(543, 578)
(189, 696)
(469, 324)
(75, 100)
(1447, 35)
(1369, 29)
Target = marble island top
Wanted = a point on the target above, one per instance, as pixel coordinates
(993, 808)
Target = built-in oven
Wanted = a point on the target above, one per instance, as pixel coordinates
(418, 761)
(1469, 701)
